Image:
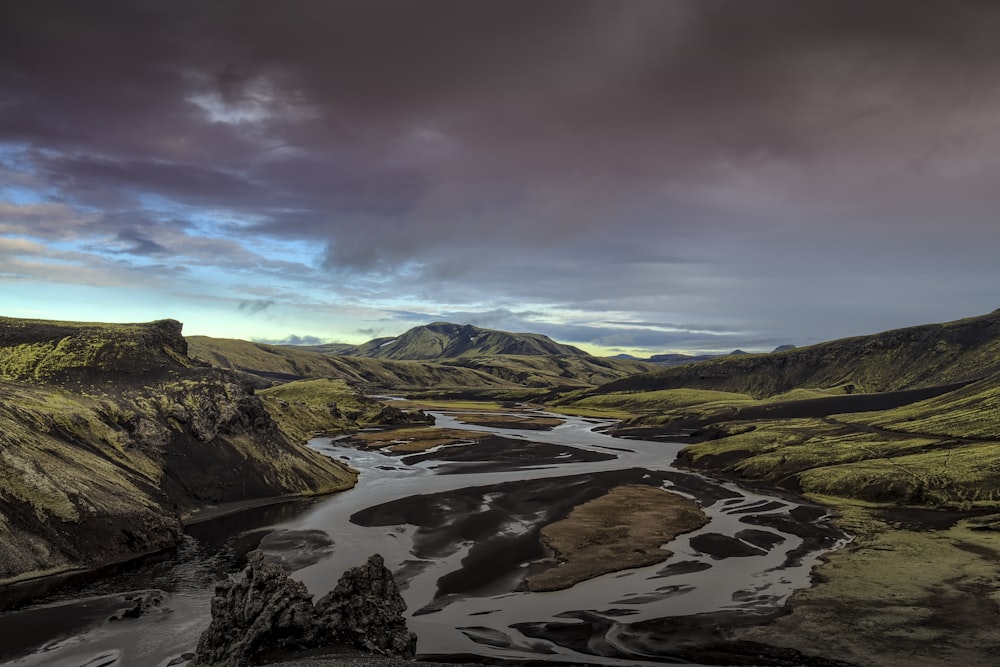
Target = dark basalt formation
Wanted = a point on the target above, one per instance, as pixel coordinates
(256, 611)
(366, 610)
(261, 612)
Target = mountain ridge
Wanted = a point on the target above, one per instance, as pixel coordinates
(903, 358)
(445, 340)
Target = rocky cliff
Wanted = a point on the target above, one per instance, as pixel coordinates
(110, 435)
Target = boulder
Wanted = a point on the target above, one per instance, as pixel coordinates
(262, 612)
(366, 610)
(256, 611)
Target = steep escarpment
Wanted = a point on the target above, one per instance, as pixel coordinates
(110, 435)
(44, 350)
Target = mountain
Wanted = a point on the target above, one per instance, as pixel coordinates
(489, 372)
(111, 435)
(899, 359)
(443, 340)
(292, 362)
(678, 359)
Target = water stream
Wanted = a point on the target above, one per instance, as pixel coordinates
(755, 551)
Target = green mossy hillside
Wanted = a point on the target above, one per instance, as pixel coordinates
(38, 349)
(443, 340)
(306, 407)
(940, 451)
(919, 356)
(498, 376)
(286, 362)
(101, 460)
(972, 411)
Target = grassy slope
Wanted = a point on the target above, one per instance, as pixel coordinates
(288, 362)
(898, 596)
(109, 434)
(943, 450)
(970, 412)
(500, 376)
(899, 359)
(306, 407)
(443, 340)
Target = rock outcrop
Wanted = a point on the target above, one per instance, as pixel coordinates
(261, 611)
(366, 610)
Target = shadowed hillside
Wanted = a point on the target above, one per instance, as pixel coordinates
(110, 434)
(900, 359)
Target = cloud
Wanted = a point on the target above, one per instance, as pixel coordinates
(292, 339)
(254, 306)
(136, 243)
(764, 169)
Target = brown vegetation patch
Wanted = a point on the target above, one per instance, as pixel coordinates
(405, 440)
(511, 421)
(622, 529)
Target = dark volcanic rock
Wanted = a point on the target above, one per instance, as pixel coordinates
(366, 610)
(259, 610)
(140, 604)
(262, 612)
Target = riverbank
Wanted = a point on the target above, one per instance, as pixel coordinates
(919, 585)
(912, 589)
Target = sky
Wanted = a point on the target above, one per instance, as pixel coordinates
(624, 175)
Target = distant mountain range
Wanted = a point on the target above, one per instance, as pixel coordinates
(680, 359)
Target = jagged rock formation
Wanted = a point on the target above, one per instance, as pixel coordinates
(262, 611)
(366, 610)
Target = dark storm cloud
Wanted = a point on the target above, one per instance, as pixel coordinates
(663, 161)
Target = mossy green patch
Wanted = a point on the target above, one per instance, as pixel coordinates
(897, 597)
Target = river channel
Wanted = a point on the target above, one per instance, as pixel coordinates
(460, 536)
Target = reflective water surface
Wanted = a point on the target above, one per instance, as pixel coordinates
(756, 549)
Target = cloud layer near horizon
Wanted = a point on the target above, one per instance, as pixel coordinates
(775, 171)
